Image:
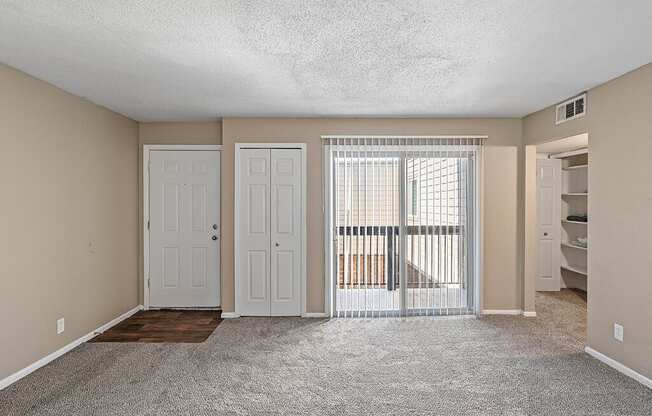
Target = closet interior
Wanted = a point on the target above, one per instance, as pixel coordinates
(574, 218)
(563, 219)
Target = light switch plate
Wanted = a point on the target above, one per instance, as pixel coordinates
(61, 325)
(619, 332)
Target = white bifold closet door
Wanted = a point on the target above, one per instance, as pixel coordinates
(269, 232)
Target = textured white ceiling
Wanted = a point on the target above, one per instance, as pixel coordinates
(201, 59)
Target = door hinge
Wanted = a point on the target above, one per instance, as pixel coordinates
(147, 283)
(147, 225)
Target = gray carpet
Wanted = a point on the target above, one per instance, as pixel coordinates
(435, 366)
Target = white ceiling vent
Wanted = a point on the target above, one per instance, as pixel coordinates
(571, 109)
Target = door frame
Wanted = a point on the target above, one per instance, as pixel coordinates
(330, 267)
(303, 281)
(147, 148)
(531, 258)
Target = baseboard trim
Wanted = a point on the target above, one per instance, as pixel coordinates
(530, 314)
(233, 315)
(619, 367)
(315, 315)
(6, 382)
(502, 312)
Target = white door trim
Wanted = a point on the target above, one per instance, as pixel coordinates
(327, 209)
(303, 278)
(147, 148)
(239, 146)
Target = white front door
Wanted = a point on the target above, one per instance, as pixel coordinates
(269, 228)
(549, 224)
(184, 215)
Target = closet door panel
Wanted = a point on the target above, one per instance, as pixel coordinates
(549, 224)
(286, 188)
(254, 255)
(547, 200)
(546, 266)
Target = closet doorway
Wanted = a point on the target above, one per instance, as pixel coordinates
(270, 229)
(557, 216)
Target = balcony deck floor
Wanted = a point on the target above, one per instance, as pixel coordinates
(421, 301)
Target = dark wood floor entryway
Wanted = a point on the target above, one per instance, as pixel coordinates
(172, 326)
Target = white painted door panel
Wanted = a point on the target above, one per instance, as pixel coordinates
(269, 228)
(286, 232)
(253, 230)
(184, 210)
(549, 224)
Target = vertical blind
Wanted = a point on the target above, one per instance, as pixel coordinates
(402, 224)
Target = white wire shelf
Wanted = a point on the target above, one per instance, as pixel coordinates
(574, 246)
(576, 167)
(574, 222)
(575, 269)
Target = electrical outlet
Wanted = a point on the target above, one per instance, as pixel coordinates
(61, 325)
(619, 332)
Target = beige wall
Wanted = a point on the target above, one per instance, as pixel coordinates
(618, 121)
(503, 289)
(540, 127)
(68, 217)
(502, 268)
(530, 246)
(209, 132)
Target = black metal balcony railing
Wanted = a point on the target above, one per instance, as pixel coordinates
(382, 269)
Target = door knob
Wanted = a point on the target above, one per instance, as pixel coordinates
(215, 226)
(277, 244)
(214, 238)
(545, 234)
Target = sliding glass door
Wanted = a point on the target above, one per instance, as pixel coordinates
(402, 225)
